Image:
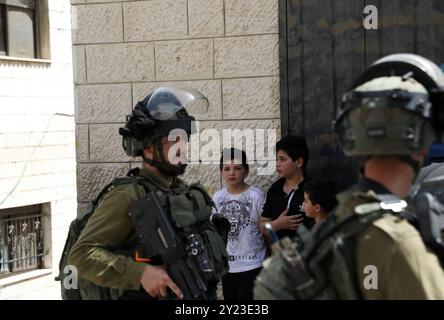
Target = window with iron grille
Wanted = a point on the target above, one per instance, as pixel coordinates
(22, 239)
(24, 29)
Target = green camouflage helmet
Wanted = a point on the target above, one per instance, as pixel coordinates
(391, 108)
(386, 116)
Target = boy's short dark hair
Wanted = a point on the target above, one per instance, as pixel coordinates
(295, 146)
(233, 154)
(321, 192)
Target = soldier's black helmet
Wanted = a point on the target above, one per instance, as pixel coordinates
(163, 110)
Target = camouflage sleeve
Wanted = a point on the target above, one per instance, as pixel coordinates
(403, 267)
(108, 229)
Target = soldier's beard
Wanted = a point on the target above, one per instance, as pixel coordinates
(171, 169)
(165, 167)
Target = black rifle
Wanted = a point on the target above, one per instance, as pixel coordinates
(182, 256)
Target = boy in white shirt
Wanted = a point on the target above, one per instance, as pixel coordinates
(242, 205)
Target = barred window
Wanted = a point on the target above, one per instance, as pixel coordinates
(24, 29)
(22, 240)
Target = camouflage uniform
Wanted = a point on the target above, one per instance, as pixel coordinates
(387, 114)
(110, 229)
(406, 268)
(123, 227)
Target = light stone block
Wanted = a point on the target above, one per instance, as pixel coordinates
(79, 64)
(123, 62)
(251, 17)
(155, 20)
(262, 182)
(211, 89)
(106, 143)
(16, 139)
(246, 56)
(102, 103)
(214, 136)
(22, 198)
(15, 154)
(207, 145)
(82, 143)
(251, 98)
(11, 170)
(207, 175)
(96, 1)
(206, 18)
(98, 23)
(184, 60)
(91, 178)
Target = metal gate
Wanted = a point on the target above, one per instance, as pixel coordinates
(21, 240)
(324, 46)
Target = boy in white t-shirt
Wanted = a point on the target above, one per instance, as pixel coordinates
(242, 205)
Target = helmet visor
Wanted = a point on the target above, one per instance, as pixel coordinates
(165, 102)
(409, 101)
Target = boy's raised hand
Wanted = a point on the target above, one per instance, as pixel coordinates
(284, 221)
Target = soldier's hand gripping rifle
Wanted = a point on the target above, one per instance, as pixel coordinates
(182, 255)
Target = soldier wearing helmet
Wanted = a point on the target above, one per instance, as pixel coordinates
(391, 116)
(376, 245)
(154, 118)
(115, 259)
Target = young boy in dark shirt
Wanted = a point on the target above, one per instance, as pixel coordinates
(319, 199)
(283, 207)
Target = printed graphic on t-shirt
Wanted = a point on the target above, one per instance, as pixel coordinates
(242, 257)
(245, 246)
(238, 214)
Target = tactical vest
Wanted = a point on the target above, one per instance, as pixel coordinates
(193, 250)
(188, 207)
(322, 265)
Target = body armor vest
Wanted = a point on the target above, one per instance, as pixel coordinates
(322, 265)
(189, 210)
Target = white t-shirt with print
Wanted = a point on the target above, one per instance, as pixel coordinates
(246, 245)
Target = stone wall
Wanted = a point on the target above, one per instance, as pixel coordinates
(227, 49)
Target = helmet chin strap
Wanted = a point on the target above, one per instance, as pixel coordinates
(162, 164)
(414, 164)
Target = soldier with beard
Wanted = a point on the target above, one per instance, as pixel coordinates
(107, 255)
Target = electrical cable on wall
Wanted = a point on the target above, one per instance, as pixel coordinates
(32, 154)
